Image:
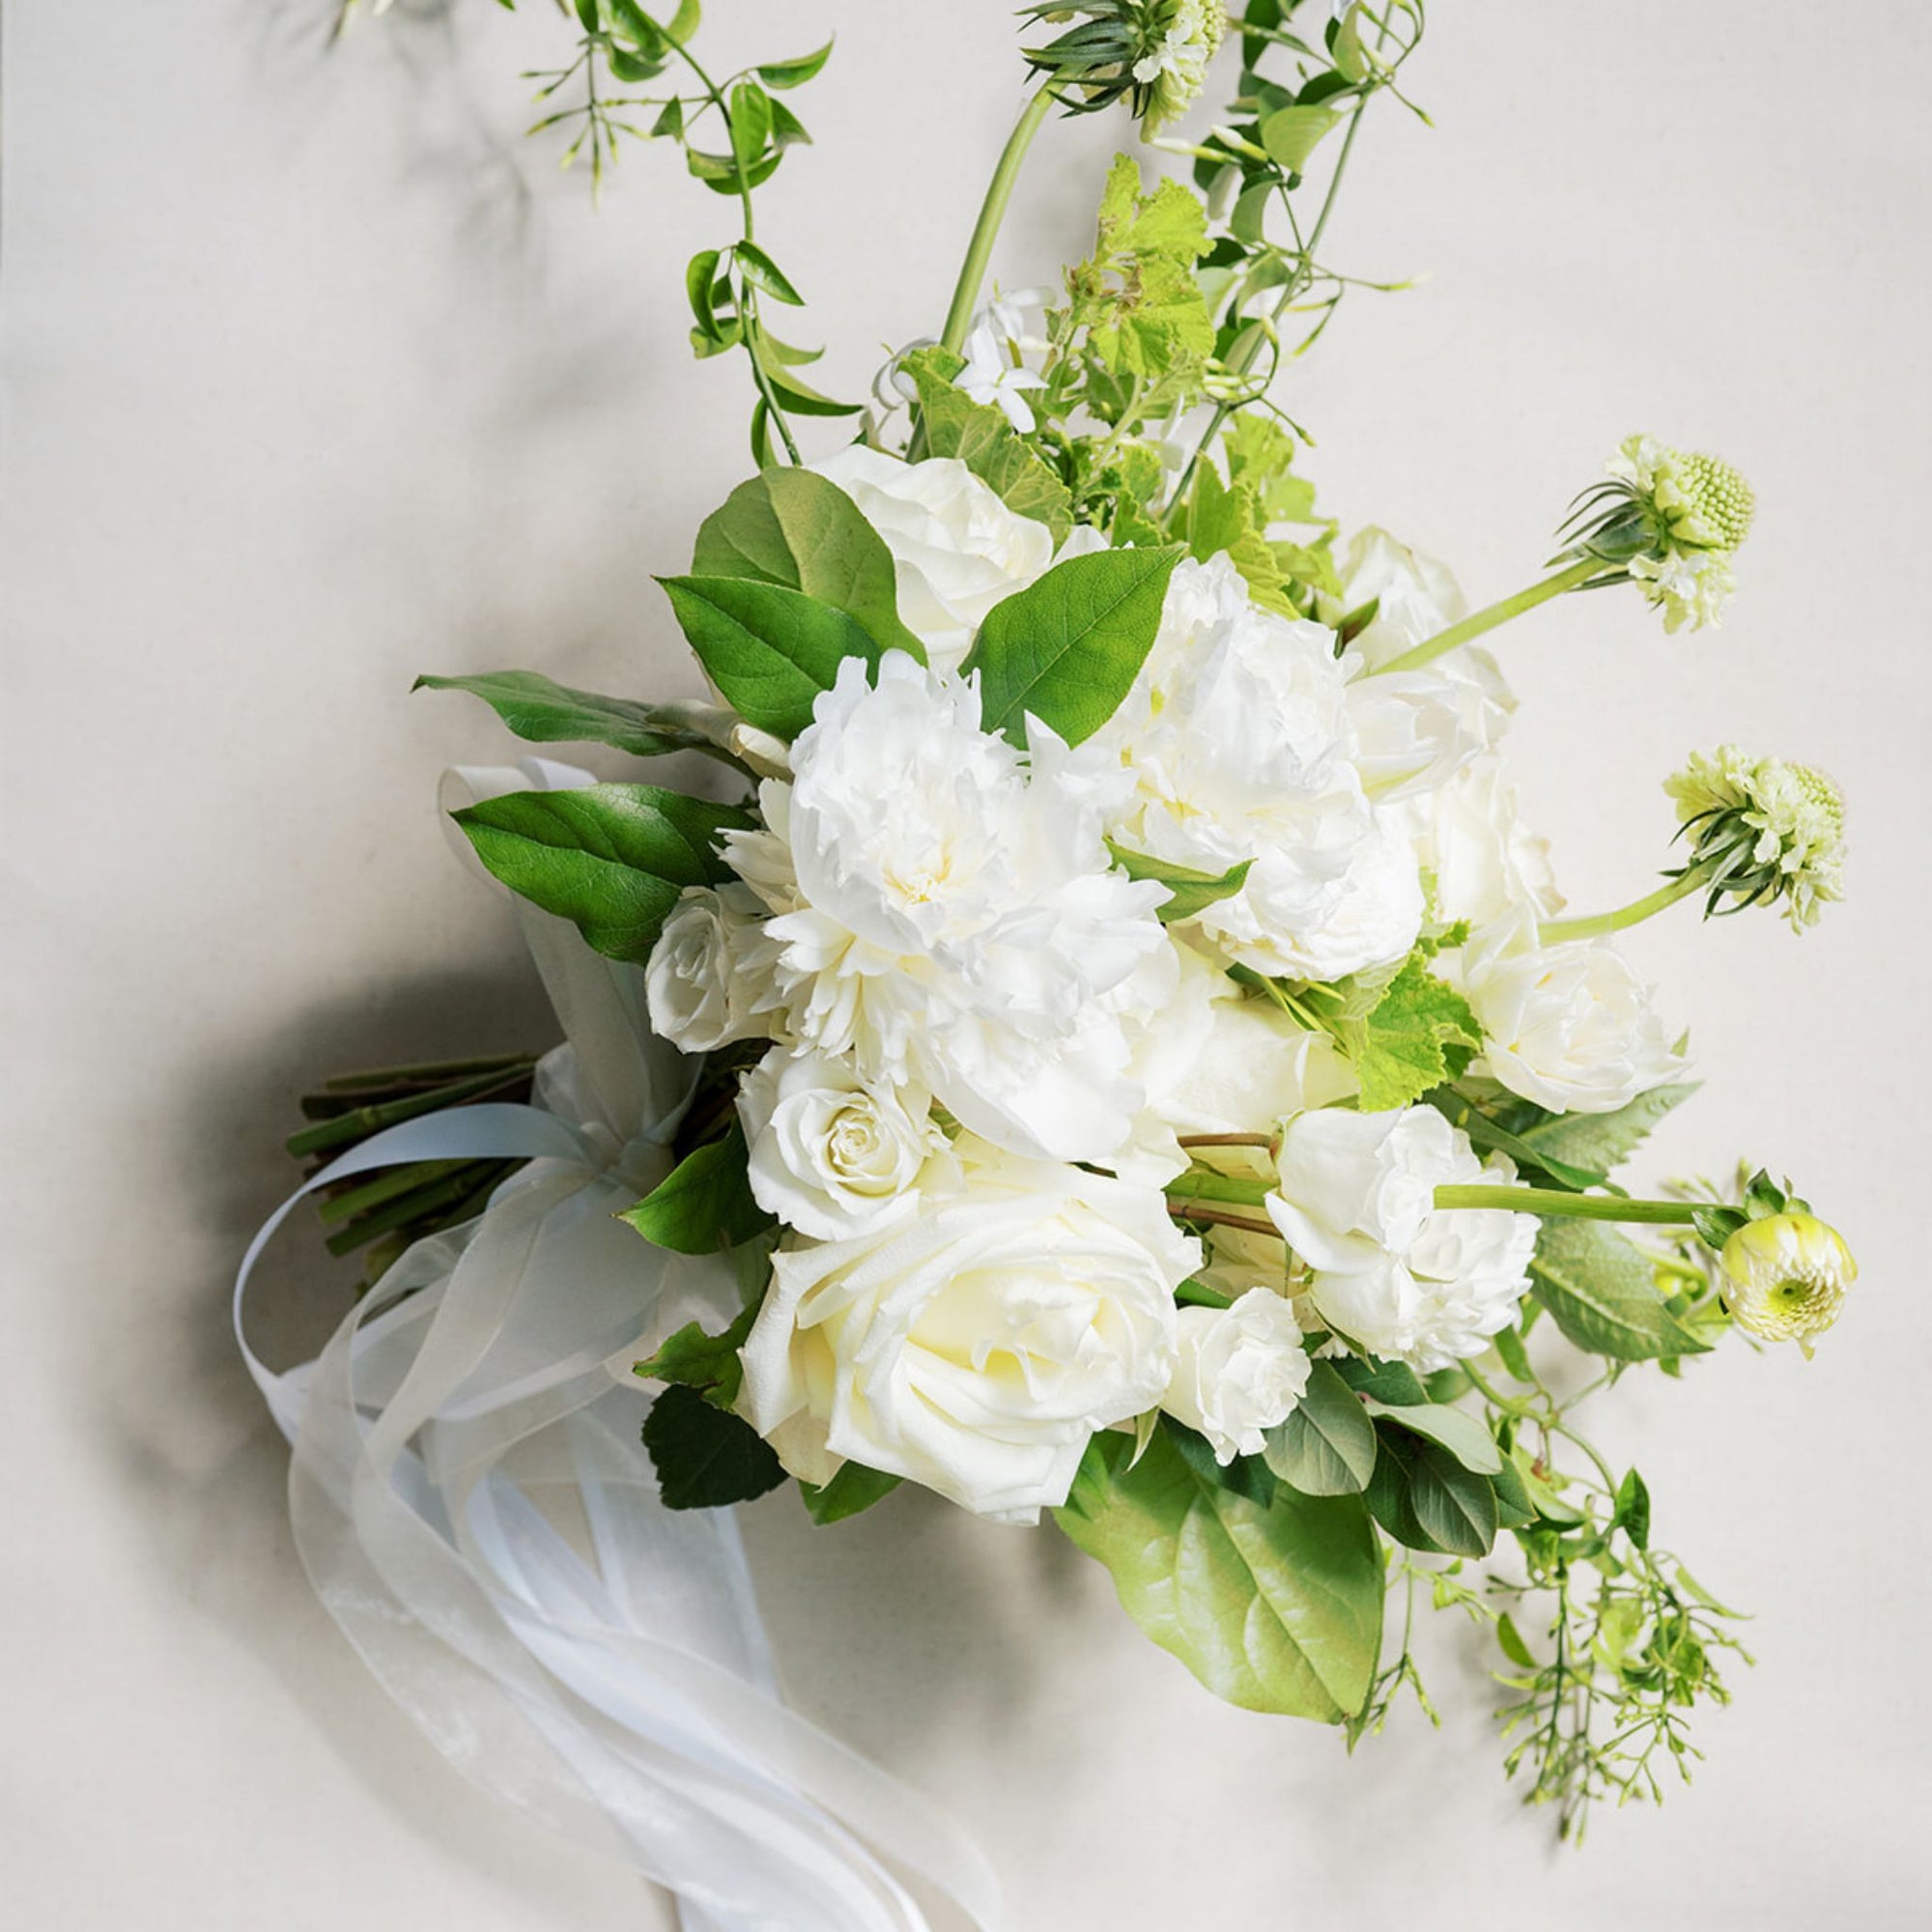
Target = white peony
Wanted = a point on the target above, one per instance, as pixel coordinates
(947, 916)
(1238, 1371)
(829, 1155)
(958, 548)
(1414, 730)
(704, 985)
(1568, 1026)
(1415, 597)
(976, 1348)
(1483, 861)
(1392, 1272)
(1375, 922)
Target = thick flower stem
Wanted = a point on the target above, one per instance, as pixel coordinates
(1553, 1202)
(992, 211)
(1225, 1139)
(1185, 1210)
(1203, 1185)
(1472, 628)
(1553, 931)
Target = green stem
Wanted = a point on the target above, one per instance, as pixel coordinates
(1552, 1201)
(992, 211)
(1432, 649)
(1199, 1185)
(1553, 931)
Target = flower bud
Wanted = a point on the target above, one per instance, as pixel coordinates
(1785, 1277)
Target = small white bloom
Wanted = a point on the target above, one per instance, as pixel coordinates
(1173, 68)
(977, 1347)
(704, 985)
(1392, 1272)
(1691, 586)
(958, 548)
(829, 1155)
(996, 372)
(1568, 1026)
(1238, 1371)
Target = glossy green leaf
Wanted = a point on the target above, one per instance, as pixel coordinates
(547, 713)
(1455, 1430)
(1631, 1515)
(704, 1204)
(1276, 1608)
(1327, 1446)
(751, 119)
(794, 72)
(1189, 893)
(764, 274)
(1604, 1295)
(1395, 1383)
(612, 859)
(853, 1489)
(705, 1458)
(1425, 1498)
(1067, 648)
(1291, 134)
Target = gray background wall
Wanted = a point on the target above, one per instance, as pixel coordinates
(317, 376)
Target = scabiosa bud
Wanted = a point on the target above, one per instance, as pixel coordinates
(1785, 1277)
(1762, 831)
(1154, 54)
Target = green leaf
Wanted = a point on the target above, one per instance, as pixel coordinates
(1600, 1142)
(1455, 1430)
(793, 73)
(1513, 1646)
(1631, 1515)
(546, 713)
(982, 438)
(1393, 1383)
(1515, 1506)
(704, 1204)
(770, 650)
(1067, 648)
(853, 1489)
(1191, 893)
(763, 272)
(1247, 1476)
(612, 859)
(1327, 1446)
(1291, 134)
(702, 289)
(1276, 1608)
(1603, 1293)
(705, 1458)
(708, 1363)
(1425, 1498)
(1418, 1033)
(797, 529)
(751, 118)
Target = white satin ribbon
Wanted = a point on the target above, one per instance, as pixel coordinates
(473, 1505)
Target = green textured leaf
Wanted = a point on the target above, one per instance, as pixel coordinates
(1601, 1142)
(1224, 518)
(547, 713)
(799, 530)
(1276, 1608)
(1633, 1511)
(1603, 1293)
(704, 1204)
(1455, 1430)
(1067, 648)
(853, 1489)
(1192, 893)
(770, 650)
(705, 1458)
(1417, 1035)
(982, 438)
(707, 1363)
(612, 859)
(1327, 1446)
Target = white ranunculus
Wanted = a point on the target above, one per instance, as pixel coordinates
(1392, 1272)
(1484, 861)
(1238, 1371)
(704, 985)
(1568, 1026)
(946, 914)
(829, 1155)
(977, 1347)
(958, 548)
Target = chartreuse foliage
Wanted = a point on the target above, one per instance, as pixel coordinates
(980, 437)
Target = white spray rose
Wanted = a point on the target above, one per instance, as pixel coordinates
(1392, 1272)
(1238, 1371)
(1570, 1026)
(946, 915)
(1484, 861)
(829, 1155)
(704, 985)
(958, 548)
(976, 1348)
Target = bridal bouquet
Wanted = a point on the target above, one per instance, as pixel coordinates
(1135, 1068)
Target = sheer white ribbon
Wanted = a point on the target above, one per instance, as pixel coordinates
(472, 1503)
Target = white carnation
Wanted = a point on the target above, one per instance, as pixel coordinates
(1238, 1371)
(1568, 1026)
(1391, 1272)
(958, 548)
(946, 918)
(704, 985)
(977, 1347)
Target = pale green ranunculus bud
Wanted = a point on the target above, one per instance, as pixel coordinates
(1786, 1276)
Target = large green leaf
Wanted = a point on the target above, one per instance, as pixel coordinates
(612, 859)
(704, 1457)
(770, 650)
(1455, 1430)
(704, 1204)
(1424, 1497)
(1327, 1446)
(1600, 1142)
(1276, 1608)
(1067, 648)
(1604, 1295)
(547, 713)
(796, 528)
(980, 437)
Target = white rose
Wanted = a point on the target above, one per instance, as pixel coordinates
(829, 1155)
(1239, 1371)
(1484, 861)
(1392, 1272)
(958, 548)
(1570, 1026)
(976, 1348)
(704, 983)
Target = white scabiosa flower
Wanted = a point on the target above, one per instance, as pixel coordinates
(708, 982)
(1785, 1277)
(1568, 1026)
(958, 548)
(1391, 1272)
(945, 916)
(1762, 831)
(1238, 1371)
